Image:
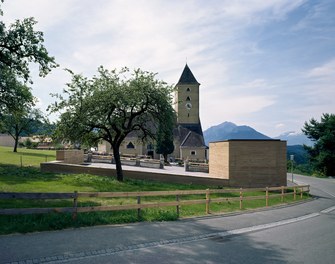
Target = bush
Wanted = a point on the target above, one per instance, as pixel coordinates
(28, 143)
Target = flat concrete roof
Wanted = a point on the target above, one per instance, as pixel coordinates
(227, 140)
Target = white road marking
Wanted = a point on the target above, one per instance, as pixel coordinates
(328, 210)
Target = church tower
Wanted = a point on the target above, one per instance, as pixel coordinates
(188, 137)
(187, 98)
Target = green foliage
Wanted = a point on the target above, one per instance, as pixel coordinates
(164, 144)
(20, 118)
(110, 106)
(322, 154)
(20, 44)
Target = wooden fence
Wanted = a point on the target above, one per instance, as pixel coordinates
(275, 192)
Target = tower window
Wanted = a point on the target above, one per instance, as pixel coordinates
(188, 98)
(188, 90)
(193, 152)
(130, 145)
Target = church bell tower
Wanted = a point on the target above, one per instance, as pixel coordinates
(187, 98)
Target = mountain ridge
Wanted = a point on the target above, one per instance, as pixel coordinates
(228, 130)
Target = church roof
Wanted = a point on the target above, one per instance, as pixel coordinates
(187, 77)
(189, 135)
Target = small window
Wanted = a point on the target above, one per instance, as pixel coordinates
(150, 146)
(188, 98)
(188, 89)
(130, 145)
(193, 152)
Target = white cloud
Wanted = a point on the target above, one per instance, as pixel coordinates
(218, 107)
(280, 125)
(47, 13)
(231, 47)
(323, 71)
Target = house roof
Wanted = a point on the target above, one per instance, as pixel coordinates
(187, 77)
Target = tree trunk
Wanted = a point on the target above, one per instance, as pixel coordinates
(119, 172)
(16, 140)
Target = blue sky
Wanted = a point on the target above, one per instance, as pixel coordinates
(266, 64)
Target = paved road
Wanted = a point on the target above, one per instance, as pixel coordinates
(302, 233)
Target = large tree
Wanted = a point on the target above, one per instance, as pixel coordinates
(322, 154)
(111, 105)
(20, 118)
(20, 45)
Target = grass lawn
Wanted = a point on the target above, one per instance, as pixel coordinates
(25, 157)
(28, 178)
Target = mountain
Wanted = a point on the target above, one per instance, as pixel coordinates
(228, 130)
(294, 138)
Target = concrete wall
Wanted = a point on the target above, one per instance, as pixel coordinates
(249, 163)
(74, 156)
(58, 167)
(6, 140)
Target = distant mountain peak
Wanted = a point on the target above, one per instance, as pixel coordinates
(295, 138)
(228, 130)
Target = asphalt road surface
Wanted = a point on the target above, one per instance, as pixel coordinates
(302, 233)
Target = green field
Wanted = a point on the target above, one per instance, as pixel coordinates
(25, 157)
(27, 177)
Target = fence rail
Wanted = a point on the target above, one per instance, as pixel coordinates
(275, 192)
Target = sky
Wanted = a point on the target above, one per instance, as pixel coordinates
(266, 64)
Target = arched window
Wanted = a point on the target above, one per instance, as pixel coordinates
(188, 98)
(188, 89)
(130, 145)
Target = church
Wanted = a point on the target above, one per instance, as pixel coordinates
(188, 140)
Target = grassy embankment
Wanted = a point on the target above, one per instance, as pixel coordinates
(28, 178)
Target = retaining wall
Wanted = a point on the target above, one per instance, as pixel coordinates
(59, 167)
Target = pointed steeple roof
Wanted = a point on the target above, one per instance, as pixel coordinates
(187, 77)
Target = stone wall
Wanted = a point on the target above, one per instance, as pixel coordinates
(249, 163)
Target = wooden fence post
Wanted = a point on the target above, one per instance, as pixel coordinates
(282, 194)
(138, 209)
(241, 198)
(308, 190)
(267, 196)
(177, 199)
(294, 193)
(75, 205)
(207, 201)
